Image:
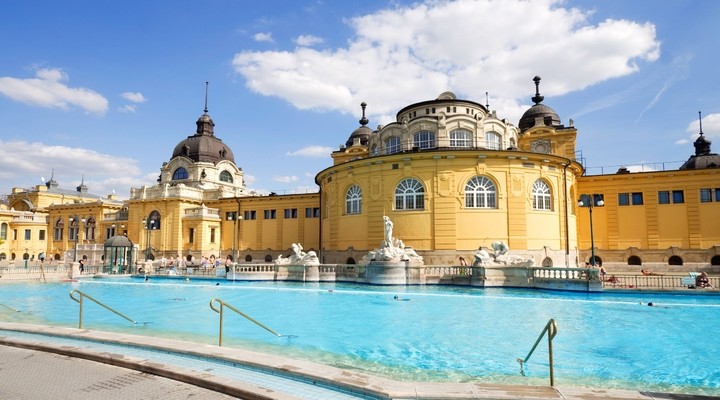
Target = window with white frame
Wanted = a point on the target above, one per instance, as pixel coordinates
(460, 138)
(409, 195)
(180, 173)
(226, 176)
(542, 196)
(392, 145)
(424, 140)
(480, 192)
(58, 232)
(492, 140)
(353, 200)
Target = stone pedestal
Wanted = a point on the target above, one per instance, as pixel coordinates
(386, 273)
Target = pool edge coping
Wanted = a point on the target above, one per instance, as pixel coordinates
(351, 381)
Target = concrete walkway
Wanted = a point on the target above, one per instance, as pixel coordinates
(65, 372)
(31, 374)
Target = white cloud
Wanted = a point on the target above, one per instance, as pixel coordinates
(285, 179)
(135, 97)
(49, 90)
(682, 141)
(263, 37)
(311, 151)
(69, 164)
(127, 108)
(397, 56)
(308, 40)
(249, 179)
(710, 126)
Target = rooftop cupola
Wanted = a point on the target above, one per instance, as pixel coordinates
(539, 114)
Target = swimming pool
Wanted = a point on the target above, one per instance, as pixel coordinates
(445, 334)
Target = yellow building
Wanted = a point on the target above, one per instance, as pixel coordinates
(451, 174)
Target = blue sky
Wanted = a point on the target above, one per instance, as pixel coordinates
(105, 90)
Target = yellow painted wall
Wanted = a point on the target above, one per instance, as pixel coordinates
(690, 225)
(445, 224)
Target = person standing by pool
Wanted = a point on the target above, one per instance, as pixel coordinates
(228, 262)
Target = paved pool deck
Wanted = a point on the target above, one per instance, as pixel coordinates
(40, 369)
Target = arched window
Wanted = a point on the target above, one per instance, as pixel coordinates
(542, 197)
(90, 229)
(634, 260)
(492, 141)
(180, 173)
(460, 138)
(409, 195)
(248, 258)
(353, 200)
(424, 140)
(715, 260)
(226, 177)
(268, 258)
(547, 262)
(153, 222)
(350, 260)
(675, 260)
(392, 145)
(480, 192)
(3, 231)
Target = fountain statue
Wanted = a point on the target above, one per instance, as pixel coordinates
(299, 257)
(500, 257)
(392, 249)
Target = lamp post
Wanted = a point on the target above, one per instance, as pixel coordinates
(591, 201)
(76, 229)
(149, 225)
(234, 217)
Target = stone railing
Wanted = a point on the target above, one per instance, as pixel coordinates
(657, 282)
(566, 273)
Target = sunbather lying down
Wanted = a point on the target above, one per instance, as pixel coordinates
(648, 272)
(612, 279)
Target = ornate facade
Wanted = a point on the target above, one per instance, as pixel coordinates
(451, 174)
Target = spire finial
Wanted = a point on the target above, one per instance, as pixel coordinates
(206, 92)
(363, 121)
(700, 118)
(537, 98)
(487, 101)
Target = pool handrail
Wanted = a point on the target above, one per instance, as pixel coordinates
(551, 330)
(80, 300)
(220, 311)
(8, 307)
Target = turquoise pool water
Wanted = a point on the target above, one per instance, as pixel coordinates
(439, 334)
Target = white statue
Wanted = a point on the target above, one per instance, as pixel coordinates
(299, 257)
(388, 232)
(500, 257)
(392, 249)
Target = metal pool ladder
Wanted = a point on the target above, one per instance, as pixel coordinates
(9, 308)
(251, 319)
(80, 300)
(551, 330)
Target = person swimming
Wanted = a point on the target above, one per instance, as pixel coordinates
(396, 297)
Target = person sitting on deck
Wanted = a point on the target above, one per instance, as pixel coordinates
(702, 281)
(612, 279)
